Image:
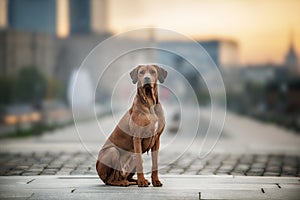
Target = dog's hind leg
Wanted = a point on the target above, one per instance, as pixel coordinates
(132, 169)
(108, 168)
(108, 165)
(103, 171)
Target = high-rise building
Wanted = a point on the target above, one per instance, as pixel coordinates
(55, 16)
(88, 16)
(32, 15)
(80, 16)
(48, 33)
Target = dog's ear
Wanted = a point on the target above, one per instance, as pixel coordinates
(134, 74)
(162, 74)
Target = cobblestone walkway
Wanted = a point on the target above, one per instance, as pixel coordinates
(84, 164)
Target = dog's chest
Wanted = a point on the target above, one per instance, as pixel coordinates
(150, 134)
(147, 143)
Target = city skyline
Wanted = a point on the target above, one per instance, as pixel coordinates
(262, 28)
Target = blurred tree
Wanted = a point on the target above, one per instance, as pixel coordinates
(55, 89)
(6, 86)
(30, 86)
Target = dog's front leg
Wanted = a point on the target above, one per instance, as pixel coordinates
(137, 143)
(154, 174)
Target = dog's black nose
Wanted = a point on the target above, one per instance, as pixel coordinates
(147, 80)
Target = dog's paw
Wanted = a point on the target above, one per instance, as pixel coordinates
(132, 181)
(156, 183)
(143, 182)
(125, 183)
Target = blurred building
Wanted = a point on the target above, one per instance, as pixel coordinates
(80, 16)
(291, 60)
(23, 49)
(223, 52)
(30, 36)
(88, 16)
(32, 15)
(259, 74)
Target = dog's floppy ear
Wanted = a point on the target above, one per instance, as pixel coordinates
(134, 74)
(162, 74)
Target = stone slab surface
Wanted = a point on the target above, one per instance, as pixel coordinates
(175, 187)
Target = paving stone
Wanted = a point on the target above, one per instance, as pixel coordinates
(254, 173)
(14, 173)
(192, 172)
(63, 173)
(195, 167)
(271, 174)
(242, 167)
(70, 165)
(176, 171)
(30, 173)
(206, 172)
(237, 173)
(230, 162)
(226, 167)
(76, 172)
(246, 160)
(261, 158)
(258, 165)
(212, 166)
(83, 163)
(90, 173)
(22, 167)
(222, 173)
(273, 169)
(48, 173)
(164, 170)
(51, 166)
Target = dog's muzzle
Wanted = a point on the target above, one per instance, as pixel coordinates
(147, 82)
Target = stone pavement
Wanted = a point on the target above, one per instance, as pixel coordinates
(246, 163)
(81, 163)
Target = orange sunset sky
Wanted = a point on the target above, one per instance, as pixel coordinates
(261, 27)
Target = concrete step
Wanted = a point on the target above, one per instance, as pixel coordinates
(175, 187)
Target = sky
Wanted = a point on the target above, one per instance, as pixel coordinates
(262, 28)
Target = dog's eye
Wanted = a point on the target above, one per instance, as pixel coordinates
(142, 72)
(152, 72)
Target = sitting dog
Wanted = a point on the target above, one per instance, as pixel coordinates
(138, 131)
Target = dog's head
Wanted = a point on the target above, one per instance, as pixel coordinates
(146, 76)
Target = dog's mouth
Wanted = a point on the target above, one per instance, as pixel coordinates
(148, 88)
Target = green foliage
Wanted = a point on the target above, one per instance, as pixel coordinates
(30, 85)
(55, 89)
(6, 86)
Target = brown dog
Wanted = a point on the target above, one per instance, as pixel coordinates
(138, 131)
